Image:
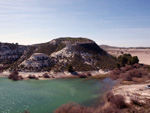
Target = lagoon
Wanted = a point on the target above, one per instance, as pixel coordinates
(45, 96)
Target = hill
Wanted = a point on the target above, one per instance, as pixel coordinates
(81, 53)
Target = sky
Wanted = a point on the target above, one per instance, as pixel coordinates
(124, 23)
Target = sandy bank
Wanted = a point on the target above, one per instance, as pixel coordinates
(138, 91)
(52, 74)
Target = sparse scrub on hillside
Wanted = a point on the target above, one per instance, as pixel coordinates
(106, 62)
(4, 67)
(74, 40)
(48, 48)
(69, 68)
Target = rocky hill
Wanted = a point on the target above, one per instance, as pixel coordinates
(81, 53)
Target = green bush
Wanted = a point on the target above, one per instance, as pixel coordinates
(70, 68)
(127, 59)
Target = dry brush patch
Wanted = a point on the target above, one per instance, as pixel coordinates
(116, 105)
(135, 73)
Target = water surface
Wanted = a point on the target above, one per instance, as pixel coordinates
(44, 96)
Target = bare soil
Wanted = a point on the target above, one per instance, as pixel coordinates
(138, 91)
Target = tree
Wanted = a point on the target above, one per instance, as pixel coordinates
(134, 60)
(70, 68)
(127, 59)
(14, 76)
(118, 65)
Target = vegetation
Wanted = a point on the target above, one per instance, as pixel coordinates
(95, 57)
(48, 48)
(91, 48)
(70, 68)
(82, 75)
(116, 100)
(4, 67)
(15, 76)
(116, 104)
(73, 108)
(127, 59)
(106, 62)
(46, 75)
(32, 77)
(74, 40)
(130, 73)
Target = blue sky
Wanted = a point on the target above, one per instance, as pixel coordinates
(112, 22)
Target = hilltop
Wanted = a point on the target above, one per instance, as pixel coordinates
(81, 54)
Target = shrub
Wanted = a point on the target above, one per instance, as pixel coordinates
(89, 74)
(1, 68)
(109, 96)
(128, 72)
(32, 77)
(134, 60)
(136, 101)
(109, 109)
(135, 73)
(115, 74)
(15, 76)
(127, 77)
(127, 68)
(127, 59)
(118, 65)
(117, 100)
(136, 65)
(73, 108)
(70, 68)
(45, 75)
(82, 76)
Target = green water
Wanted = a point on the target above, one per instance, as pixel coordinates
(44, 96)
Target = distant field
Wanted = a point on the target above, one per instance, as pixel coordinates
(143, 54)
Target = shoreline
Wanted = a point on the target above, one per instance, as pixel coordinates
(58, 75)
(131, 91)
(128, 91)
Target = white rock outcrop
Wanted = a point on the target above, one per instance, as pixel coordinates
(37, 60)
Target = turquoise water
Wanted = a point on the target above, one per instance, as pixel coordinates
(44, 96)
